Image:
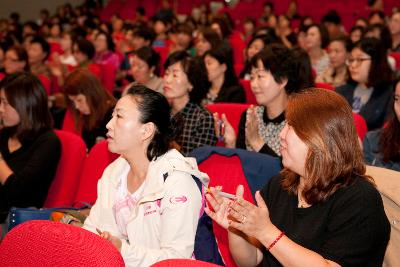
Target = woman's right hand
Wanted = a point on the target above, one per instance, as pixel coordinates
(228, 134)
(220, 205)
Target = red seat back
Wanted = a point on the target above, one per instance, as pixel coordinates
(396, 56)
(108, 76)
(361, 125)
(46, 83)
(98, 159)
(325, 86)
(48, 244)
(69, 123)
(250, 98)
(64, 186)
(183, 263)
(233, 111)
(227, 172)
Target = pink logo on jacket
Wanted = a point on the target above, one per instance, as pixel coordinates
(178, 199)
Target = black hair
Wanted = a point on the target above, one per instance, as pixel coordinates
(323, 32)
(150, 56)
(195, 71)
(154, 107)
(146, 33)
(384, 34)
(303, 69)
(279, 61)
(224, 25)
(33, 25)
(109, 40)
(332, 16)
(43, 43)
(345, 40)
(86, 47)
(380, 72)
(141, 10)
(223, 55)
(26, 94)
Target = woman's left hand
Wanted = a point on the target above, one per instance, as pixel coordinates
(252, 220)
(113, 239)
(251, 132)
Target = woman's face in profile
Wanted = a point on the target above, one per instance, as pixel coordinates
(8, 114)
(125, 131)
(294, 151)
(202, 45)
(140, 70)
(214, 69)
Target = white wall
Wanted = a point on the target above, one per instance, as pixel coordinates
(29, 9)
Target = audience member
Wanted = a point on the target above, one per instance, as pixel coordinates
(148, 204)
(382, 146)
(185, 85)
(336, 74)
(225, 86)
(272, 81)
(316, 41)
(369, 88)
(321, 209)
(29, 149)
(91, 105)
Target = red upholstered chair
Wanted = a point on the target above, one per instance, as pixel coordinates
(361, 125)
(233, 111)
(108, 76)
(65, 184)
(326, 86)
(98, 159)
(69, 123)
(46, 83)
(396, 57)
(250, 98)
(48, 244)
(183, 263)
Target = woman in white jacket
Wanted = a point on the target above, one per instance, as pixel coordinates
(148, 204)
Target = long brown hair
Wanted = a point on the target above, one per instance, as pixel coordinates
(390, 138)
(323, 120)
(99, 100)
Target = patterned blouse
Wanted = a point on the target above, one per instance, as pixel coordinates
(197, 128)
(268, 129)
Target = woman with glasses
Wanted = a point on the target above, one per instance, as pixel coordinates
(16, 60)
(369, 88)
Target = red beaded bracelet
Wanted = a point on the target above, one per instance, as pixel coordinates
(276, 240)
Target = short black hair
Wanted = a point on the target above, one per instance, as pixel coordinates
(154, 107)
(43, 43)
(27, 96)
(150, 56)
(195, 71)
(146, 33)
(86, 47)
(279, 61)
(332, 16)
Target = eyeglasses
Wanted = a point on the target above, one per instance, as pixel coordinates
(357, 60)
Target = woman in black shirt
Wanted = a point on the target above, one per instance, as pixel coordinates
(29, 149)
(91, 105)
(322, 210)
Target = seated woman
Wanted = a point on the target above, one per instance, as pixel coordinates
(207, 39)
(316, 41)
(145, 69)
(369, 90)
(336, 74)
(105, 50)
(91, 105)
(322, 210)
(273, 79)
(185, 85)
(225, 86)
(256, 44)
(148, 204)
(29, 149)
(84, 52)
(382, 146)
(16, 60)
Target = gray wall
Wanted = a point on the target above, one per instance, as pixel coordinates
(29, 9)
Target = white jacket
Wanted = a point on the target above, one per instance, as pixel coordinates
(164, 223)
